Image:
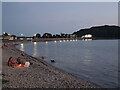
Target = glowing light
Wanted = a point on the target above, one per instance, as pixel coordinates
(86, 40)
(35, 43)
(22, 44)
(67, 40)
(60, 41)
(35, 50)
(46, 42)
(22, 47)
(63, 40)
(55, 41)
(4, 32)
(87, 36)
(21, 34)
(21, 38)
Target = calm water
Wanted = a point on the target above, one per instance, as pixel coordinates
(95, 60)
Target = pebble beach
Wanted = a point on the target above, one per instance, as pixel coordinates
(39, 75)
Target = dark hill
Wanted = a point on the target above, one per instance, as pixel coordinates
(101, 32)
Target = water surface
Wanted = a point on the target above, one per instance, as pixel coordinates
(95, 60)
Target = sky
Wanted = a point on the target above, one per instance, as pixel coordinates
(28, 18)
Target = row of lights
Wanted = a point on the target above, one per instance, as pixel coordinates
(65, 40)
(22, 45)
(56, 41)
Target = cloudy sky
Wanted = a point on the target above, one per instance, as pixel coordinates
(29, 18)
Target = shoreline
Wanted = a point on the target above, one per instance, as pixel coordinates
(39, 75)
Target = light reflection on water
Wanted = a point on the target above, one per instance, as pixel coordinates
(35, 52)
(88, 57)
(22, 47)
(96, 60)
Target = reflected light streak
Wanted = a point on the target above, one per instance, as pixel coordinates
(88, 39)
(35, 43)
(22, 47)
(63, 40)
(46, 42)
(88, 57)
(35, 52)
(60, 41)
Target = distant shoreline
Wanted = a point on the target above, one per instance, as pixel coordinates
(57, 39)
(58, 78)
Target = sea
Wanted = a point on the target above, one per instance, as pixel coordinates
(91, 60)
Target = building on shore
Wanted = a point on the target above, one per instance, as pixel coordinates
(87, 36)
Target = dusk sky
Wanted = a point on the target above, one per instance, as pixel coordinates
(29, 18)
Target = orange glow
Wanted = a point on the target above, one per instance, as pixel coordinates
(20, 66)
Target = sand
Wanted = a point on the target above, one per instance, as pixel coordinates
(39, 75)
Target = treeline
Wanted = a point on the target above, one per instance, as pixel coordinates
(49, 35)
(101, 32)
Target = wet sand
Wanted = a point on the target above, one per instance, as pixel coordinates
(39, 75)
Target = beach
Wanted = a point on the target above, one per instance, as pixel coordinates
(39, 75)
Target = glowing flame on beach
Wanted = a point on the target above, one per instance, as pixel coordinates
(20, 66)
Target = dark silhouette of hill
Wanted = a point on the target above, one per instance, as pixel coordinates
(101, 32)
